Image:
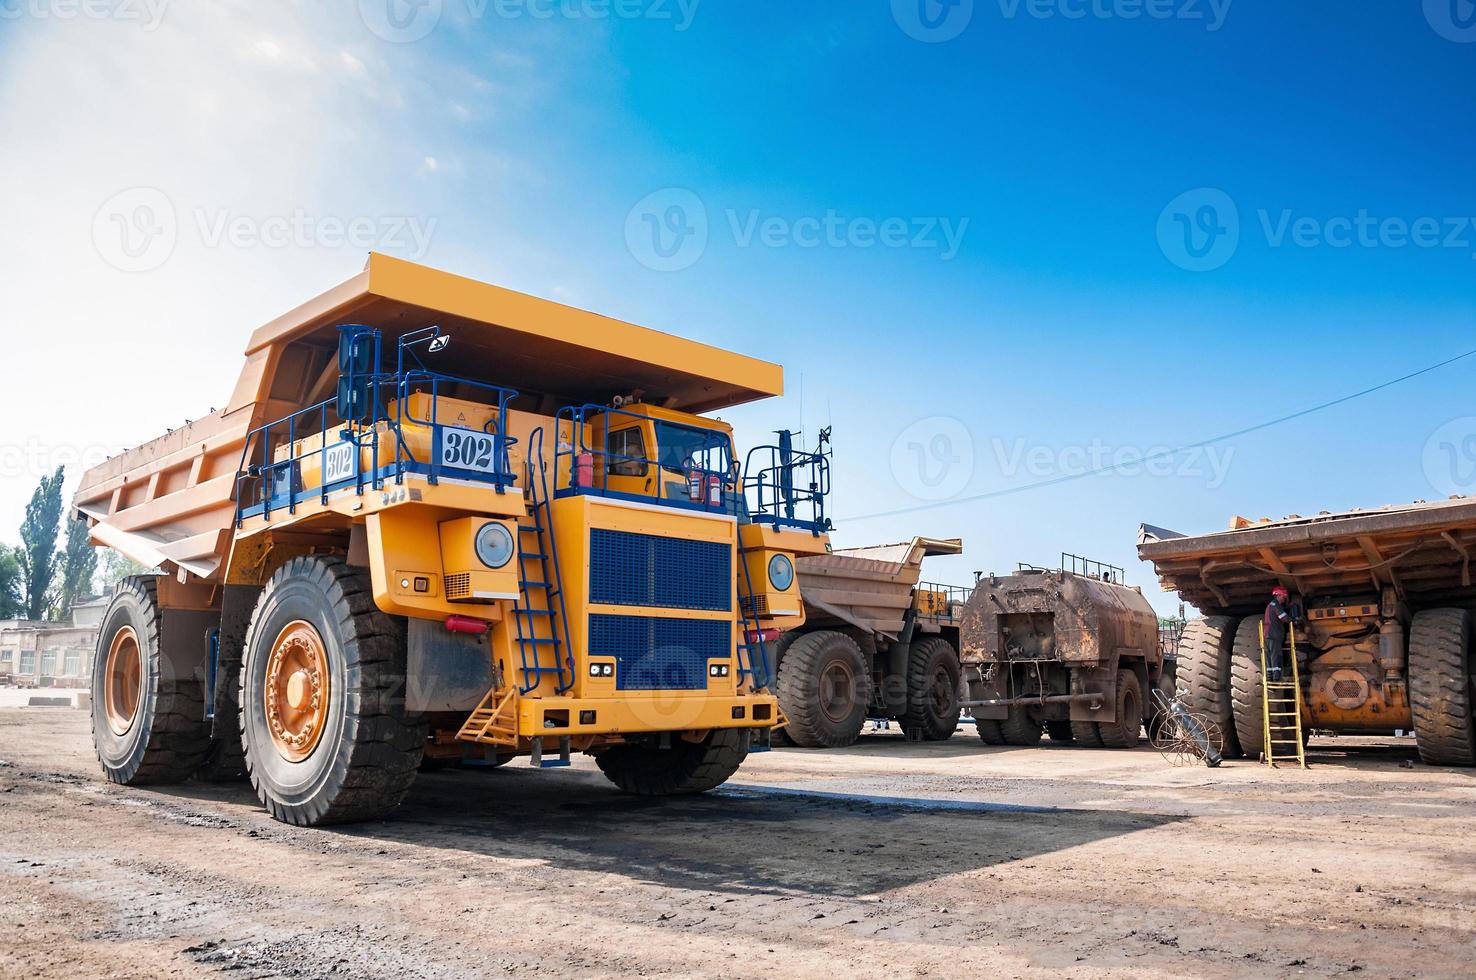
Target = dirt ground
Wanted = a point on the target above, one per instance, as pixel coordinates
(883, 860)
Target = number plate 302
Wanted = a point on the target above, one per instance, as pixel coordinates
(466, 449)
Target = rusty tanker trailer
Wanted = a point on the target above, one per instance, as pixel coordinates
(1069, 653)
(1385, 642)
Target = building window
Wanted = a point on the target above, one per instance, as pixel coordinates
(28, 662)
(73, 662)
(48, 663)
(7, 660)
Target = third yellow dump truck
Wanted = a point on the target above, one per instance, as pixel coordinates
(439, 518)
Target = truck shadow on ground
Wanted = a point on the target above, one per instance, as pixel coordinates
(738, 839)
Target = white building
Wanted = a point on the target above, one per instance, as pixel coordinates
(41, 654)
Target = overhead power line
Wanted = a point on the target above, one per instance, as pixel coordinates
(1162, 454)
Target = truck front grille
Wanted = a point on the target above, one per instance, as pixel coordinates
(660, 654)
(628, 569)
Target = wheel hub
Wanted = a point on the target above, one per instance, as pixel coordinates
(837, 692)
(296, 691)
(123, 681)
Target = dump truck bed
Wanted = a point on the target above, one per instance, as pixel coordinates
(1423, 550)
(870, 588)
(170, 502)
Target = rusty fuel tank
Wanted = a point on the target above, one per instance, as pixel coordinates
(1078, 620)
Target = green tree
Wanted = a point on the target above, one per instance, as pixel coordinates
(38, 544)
(78, 565)
(12, 606)
(114, 568)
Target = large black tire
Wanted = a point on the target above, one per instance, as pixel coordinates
(1205, 653)
(1060, 731)
(1087, 734)
(933, 673)
(779, 737)
(148, 721)
(685, 767)
(1126, 727)
(1440, 686)
(1020, 728)
(370, 747)
(1245, 688)
(989, 731)
(825, 689)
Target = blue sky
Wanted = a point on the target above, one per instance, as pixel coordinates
(1036, 304)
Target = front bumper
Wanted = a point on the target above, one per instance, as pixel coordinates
(614, 716)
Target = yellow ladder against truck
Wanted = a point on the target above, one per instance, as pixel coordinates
(1282, 700)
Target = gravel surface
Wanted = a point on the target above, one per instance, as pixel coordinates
(883, 860)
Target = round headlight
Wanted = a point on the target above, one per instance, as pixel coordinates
(781, 572)
(494, 545)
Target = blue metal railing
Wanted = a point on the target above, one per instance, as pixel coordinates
(603, 459)
(787, 488)
(265, 483)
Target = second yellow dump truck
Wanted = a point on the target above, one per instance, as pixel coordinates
(439, 518)
(875, 642)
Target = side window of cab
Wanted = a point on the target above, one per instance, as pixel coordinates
(626, 452)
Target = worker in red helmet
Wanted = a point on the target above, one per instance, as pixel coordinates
(1278, 616)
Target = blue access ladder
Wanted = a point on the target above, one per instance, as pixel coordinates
(538, 615)
(753, 659)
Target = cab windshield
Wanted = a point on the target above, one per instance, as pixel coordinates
(681, 447)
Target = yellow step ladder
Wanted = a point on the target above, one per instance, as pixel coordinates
(1281, 709)
(494, 722)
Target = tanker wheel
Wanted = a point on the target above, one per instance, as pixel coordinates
(148, 723)
(1087, 734)
(1205, 653)
(684, 767)
(323, 720)
(1020, 728)
(779, 737)
(933, 674)
(824, 688)
(989, 731)
(1060, 731)
(1440, 686)
(1126, 728)
(1245, 688)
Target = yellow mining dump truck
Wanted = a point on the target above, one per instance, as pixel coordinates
(1069, 651)
(440, 518)
(1385, 639)
(875, 643)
